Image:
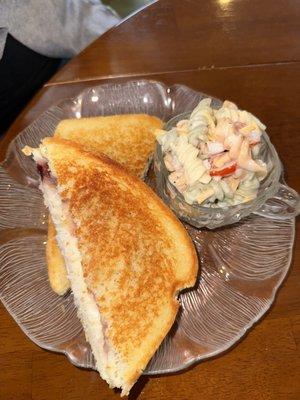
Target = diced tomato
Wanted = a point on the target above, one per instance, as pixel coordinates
(227, 169)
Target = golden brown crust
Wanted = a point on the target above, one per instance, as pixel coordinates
(129, 139)
(134, 250)
(129, 177)
(57, 273)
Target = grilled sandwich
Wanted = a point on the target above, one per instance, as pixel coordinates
(127, 256)
(128, 139)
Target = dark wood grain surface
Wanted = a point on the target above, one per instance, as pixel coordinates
(178, 35)
(248, 51)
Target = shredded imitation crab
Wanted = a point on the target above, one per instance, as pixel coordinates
(213, 157)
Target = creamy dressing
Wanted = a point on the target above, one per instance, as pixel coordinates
(213, 157)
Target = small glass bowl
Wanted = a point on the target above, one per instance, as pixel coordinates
(285, 201)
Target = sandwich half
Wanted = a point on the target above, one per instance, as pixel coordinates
(128, 139)
(126, 254)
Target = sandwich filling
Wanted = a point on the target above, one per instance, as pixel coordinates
(95, 326)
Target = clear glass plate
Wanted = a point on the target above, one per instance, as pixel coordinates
(241, 265)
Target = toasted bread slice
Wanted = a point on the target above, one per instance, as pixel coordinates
(57, 272)
(128, 139)
(126, 254)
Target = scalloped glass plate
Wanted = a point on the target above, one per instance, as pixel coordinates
(241, 265)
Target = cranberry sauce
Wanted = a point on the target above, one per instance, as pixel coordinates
(45, 173)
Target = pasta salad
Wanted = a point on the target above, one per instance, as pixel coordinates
(213, 157)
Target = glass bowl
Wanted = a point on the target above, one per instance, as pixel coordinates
(205, 216)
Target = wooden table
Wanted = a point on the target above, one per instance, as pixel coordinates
(245, 50)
